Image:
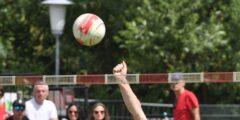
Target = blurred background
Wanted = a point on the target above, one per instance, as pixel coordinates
(152, 36)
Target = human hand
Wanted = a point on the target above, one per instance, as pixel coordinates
(120, 72)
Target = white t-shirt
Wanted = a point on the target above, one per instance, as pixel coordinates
(45, 111)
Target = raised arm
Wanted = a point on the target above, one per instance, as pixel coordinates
(129, 98)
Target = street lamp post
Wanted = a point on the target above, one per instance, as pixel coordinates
(57, 12)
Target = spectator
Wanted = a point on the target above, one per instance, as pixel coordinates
(3, 112)
(73, 112)
(186, 106)
(99, 112)
(38, 108)
(18, 111)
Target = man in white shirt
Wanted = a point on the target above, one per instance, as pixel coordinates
(38, 108)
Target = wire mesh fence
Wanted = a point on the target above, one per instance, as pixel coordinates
(118, 111)
(220, 112)
(157, 111)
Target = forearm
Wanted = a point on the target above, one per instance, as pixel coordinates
(196, 114)
(132, 102)
(129, 98)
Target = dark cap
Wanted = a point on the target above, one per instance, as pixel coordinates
(176, 76)
(19, 105)
(18, 102)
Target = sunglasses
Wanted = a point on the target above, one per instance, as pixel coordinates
(19, 108)
(96, 112)
(73, 112)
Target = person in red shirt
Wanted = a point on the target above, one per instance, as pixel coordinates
(3, 112)
(186, 106)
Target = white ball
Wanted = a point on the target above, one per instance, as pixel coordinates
(89, 29)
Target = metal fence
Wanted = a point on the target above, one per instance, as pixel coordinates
(118, 110)
(155, 111)
(220, 111)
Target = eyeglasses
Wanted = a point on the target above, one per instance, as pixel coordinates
(19, 108)
(96, 112)
(73, 112)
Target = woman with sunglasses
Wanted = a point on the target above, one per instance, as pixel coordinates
(99, 112)
(73, 112)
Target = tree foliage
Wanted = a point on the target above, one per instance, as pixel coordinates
(153, 36)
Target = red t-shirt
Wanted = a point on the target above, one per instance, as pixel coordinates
(184, 105)
(2, 111)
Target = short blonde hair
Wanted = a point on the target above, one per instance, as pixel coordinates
(41, 83)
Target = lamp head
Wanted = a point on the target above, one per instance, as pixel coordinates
(57, 12)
